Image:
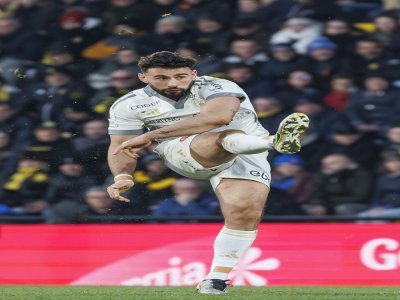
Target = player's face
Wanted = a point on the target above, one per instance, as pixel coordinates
(172, 83)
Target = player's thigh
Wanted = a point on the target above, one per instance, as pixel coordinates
(242, 201)
(206, 148)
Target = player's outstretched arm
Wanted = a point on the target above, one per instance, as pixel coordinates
(121, 167)
(214, 113)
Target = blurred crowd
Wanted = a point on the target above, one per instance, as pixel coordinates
(63, 63)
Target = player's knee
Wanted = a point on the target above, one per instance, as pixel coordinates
(244, 216)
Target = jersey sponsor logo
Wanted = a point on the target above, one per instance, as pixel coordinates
(261, 174)
(145, 105)
(169, 120)
(214, 87)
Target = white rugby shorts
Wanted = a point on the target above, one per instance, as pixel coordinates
(176, 155)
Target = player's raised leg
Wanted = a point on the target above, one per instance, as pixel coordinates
(214, 148)
(242, 204)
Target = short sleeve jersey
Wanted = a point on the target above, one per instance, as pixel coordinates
(145, 107)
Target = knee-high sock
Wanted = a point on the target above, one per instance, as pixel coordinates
(240, 143)
(229, 247)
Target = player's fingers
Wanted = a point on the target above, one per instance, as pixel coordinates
(114, 192)
(130, 152)
(123, 199)
(118, 150)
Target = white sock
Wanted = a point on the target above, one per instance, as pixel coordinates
(229, 247)
(240, 143)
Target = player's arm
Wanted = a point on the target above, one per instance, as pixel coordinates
(121, 167)
(213, 114)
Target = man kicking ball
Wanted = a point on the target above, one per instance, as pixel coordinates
(206, 128)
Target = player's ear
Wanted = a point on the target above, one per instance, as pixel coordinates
(143, 78)
(194, 73)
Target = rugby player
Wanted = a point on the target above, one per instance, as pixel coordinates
(206, 128)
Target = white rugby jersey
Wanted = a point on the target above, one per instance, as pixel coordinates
(147, 108)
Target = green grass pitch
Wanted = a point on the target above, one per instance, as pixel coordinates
(184, 293)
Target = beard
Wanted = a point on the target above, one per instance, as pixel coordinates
(173, 93)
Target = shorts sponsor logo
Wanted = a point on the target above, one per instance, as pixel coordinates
(261, 174)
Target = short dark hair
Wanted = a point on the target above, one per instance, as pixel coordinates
(165, 59)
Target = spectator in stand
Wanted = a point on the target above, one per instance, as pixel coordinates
(314, 9)
(269, 111)
(189, 199)
(16, 125)
(122, 82)
(290, 176)
(14, 53)
(14, 96)
(370, 58)
(24, 190)
(244, 76)
(49, 140)
(95, 203)
(191, 10)
(340, 188)
(116, 11)
(126, 58)
(211, 33)
(251, 9)
(299, 83)
(283, 61)
(281, 204)
(71, 31)
(339, 95)
(324, 62)
(60, 55)
(59, 91)
(393, 138)
(387, 31)
(247, 28)
(321, 117)
(62, 185)
(169, 31)
(247, 51)
(152, 184)
(92, 147)
(358, 146)
(154, 9)
(207, 63)
(301, 30)
(339, 31)
(126, 33)
(373, 109)
(386, 199)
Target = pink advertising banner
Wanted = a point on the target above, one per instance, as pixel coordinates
(168, 254)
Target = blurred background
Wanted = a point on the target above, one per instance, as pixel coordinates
(63, 63)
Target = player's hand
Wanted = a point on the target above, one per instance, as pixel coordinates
(133, 146)
(121, 186)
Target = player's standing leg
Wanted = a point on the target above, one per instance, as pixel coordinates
(242, 205)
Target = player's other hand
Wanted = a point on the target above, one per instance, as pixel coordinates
(133, 146)
(121, 186)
